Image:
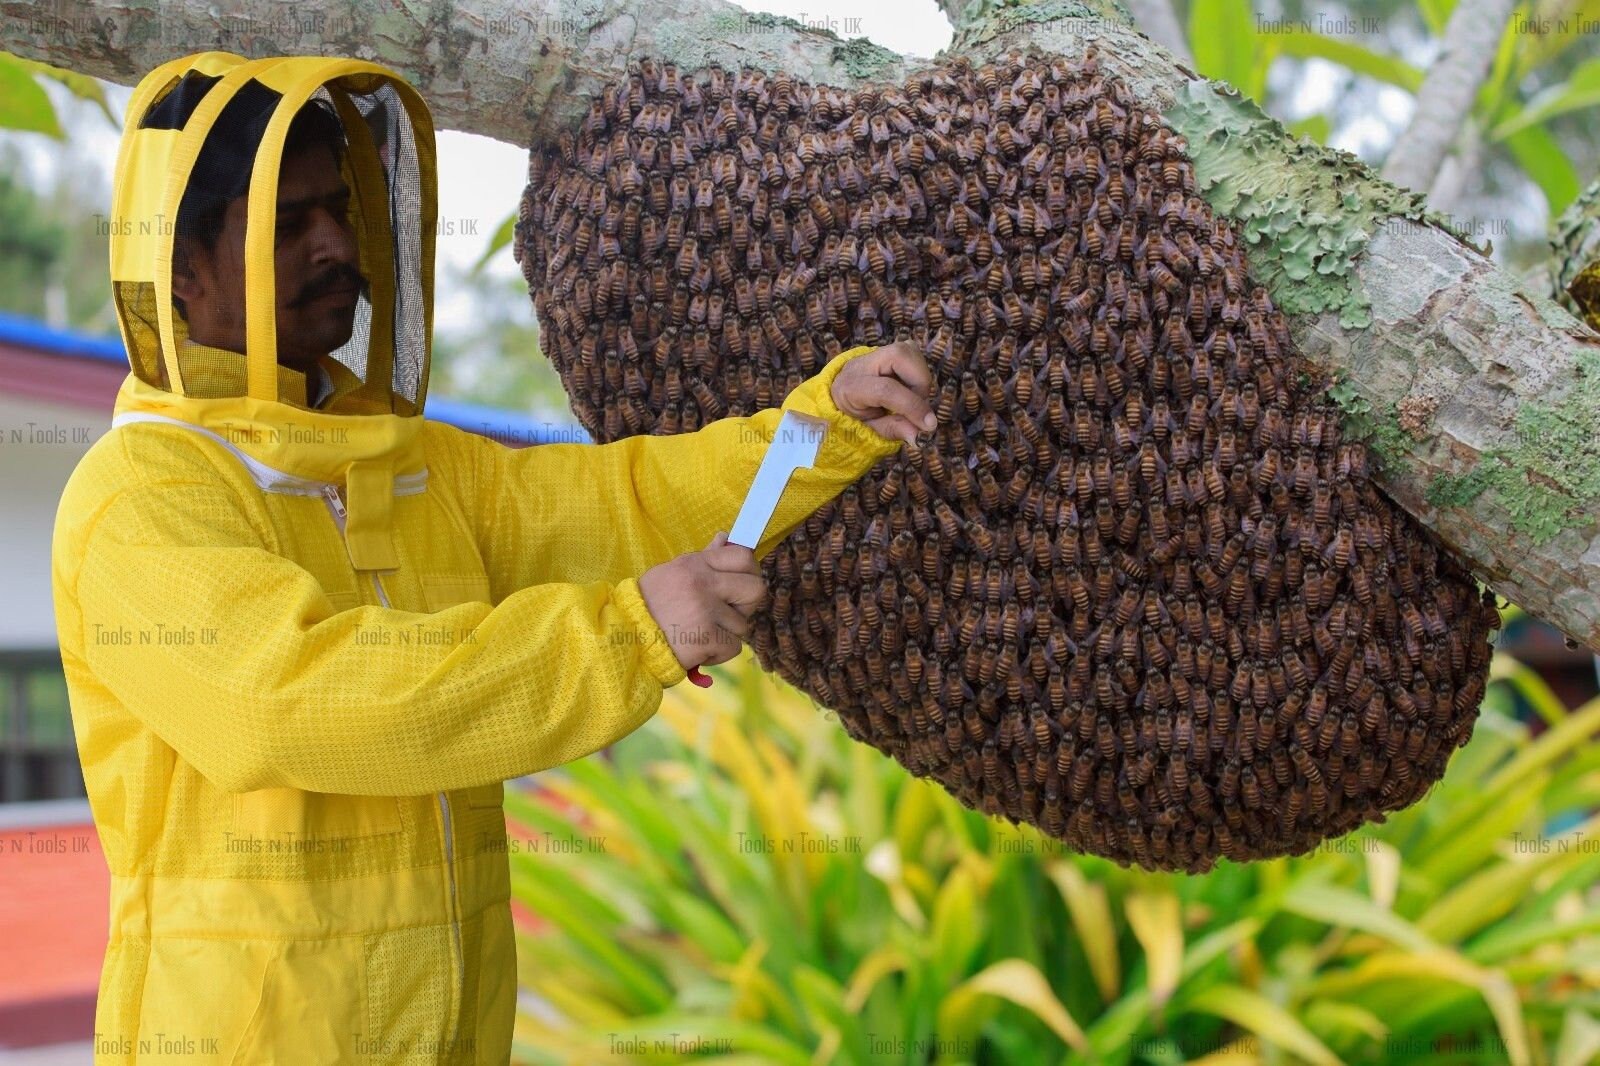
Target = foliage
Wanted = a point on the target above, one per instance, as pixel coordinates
(1515, 106)
(738, 877)
(25, 106)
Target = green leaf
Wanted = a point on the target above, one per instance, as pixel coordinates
(1436, 13)
(1022, 984)
(23, 103)
(1154, 918)
(823, 1000)
(1505, 941)
(80, 85)
(1316, 127)
(711, 1031)
(499, 239)
(559, 900)
(1343, 908)
(1222, 35)
(1091, 919)
(1498, 92)
(1356, 58)
(1580, 1039)
(1551, 28)
(705, 925)
(958, 925)
(1467, 852)
(1581, 90)
(1252, 1011)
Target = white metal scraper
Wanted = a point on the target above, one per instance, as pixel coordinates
(794, 446)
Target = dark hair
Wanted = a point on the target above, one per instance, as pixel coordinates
(221, 172)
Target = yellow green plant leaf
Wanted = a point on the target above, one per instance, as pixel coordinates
(881, 962)
(1383, 873)
(1442, 964)
(676, 1034)
(1022, 984)
(1153, 916)
(1252, 1011)
(1091, 919)
(24, 105)
(1490, 895)
(1579, 1044)
(958, 924)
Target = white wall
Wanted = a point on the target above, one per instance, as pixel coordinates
(40, 443)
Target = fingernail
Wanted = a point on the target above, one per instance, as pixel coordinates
(929, 420)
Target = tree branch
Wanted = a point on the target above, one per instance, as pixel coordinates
(1575, 248)
(1458, 168)
(1158, 19)
(514, 70)
(1481, 400)
(1445, 100)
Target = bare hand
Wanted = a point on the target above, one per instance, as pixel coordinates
(889, 389)
(703, 600)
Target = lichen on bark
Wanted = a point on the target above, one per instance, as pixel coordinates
(1551, 466)
(1305, 212)
(1575, 244)
(984, 20)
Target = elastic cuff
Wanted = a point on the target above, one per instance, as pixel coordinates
(657, 653)
(857, 444)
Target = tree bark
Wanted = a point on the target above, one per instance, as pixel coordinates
(1575, 258)
(1159, 21)
(1481, 400)
(1445, 99)
(514, 70)
(1458, 169)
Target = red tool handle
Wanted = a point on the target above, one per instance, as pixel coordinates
(703, 680)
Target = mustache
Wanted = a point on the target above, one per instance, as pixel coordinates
(335, 280)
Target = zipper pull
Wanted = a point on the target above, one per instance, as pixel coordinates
(331, 492)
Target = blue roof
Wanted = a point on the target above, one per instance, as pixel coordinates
(514, 426)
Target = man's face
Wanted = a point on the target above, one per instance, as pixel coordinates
(316, 258)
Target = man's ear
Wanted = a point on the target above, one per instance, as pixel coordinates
(186, 283)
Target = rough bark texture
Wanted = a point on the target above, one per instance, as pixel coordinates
(1481, 400)
(1575, 259)
(1447, 93)
(514, 70)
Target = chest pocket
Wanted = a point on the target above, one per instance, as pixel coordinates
(441, 591)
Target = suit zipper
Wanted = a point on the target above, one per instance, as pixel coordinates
(330, 493)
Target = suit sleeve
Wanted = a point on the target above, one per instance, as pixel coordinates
(235, 658)
(586, 512)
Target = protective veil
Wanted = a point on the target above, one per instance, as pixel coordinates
(307, 633)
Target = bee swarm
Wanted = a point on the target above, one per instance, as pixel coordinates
(1137, 591)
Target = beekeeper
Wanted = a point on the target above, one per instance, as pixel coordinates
(307, 633)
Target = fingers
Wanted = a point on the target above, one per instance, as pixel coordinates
(895, 398)
(898, 427)
(730, 621)
(904, 360)
(746, 593)
(730, 558)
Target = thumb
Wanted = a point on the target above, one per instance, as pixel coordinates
(718, 539)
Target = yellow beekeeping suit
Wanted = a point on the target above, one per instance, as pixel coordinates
(305, 642)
